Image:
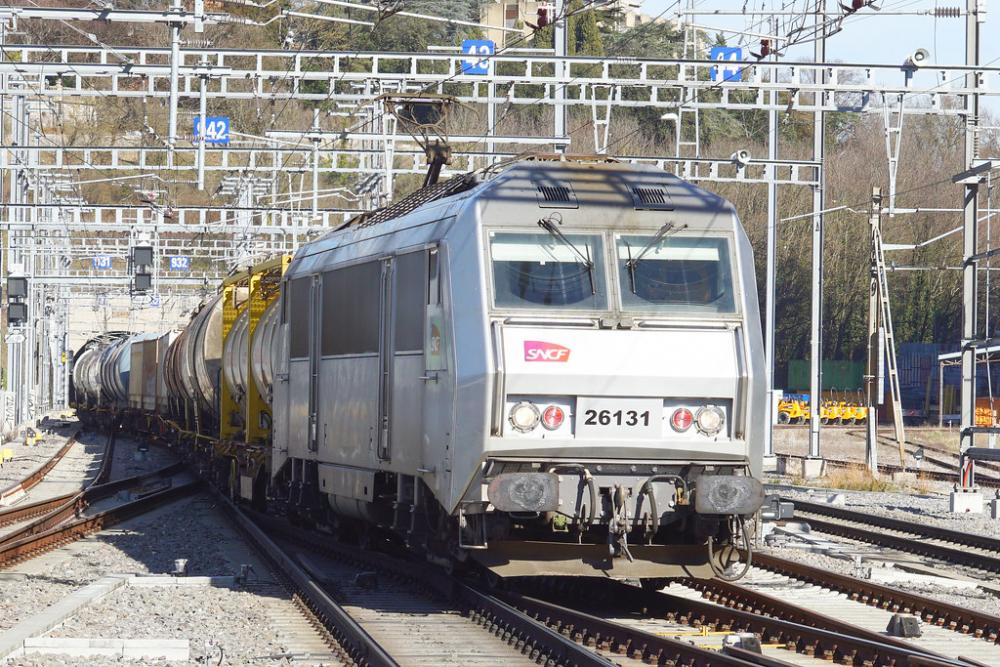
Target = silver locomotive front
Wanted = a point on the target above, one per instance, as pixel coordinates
(623, 388)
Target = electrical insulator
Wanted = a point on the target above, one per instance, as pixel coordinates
(543, 17)
(765, 48)
(947, 12)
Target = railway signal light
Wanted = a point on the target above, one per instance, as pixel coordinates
(143, 282)
(142, 255)
(17, 312)
(17, 291)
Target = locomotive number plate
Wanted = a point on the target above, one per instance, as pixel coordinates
(600, 417)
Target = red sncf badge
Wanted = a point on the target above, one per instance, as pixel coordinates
(537, 350)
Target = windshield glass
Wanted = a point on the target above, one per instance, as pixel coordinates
(540, 269)
(676, 274)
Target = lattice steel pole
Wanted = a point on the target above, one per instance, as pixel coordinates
(969, 235)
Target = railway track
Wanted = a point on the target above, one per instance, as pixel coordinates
(795, 629)
(942, 614)
(933, 475)
(533, 629)
(791, 599)
(977, 551)
(37, 475)
(54, 521)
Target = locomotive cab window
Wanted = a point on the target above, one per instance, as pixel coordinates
(676, 274)
(554, 270)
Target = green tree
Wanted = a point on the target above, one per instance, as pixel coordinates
(587, 37)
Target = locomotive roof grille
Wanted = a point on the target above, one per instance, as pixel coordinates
(556, 196)
(414, 201)
(656, 198)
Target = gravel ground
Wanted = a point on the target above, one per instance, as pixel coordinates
(233, 619)
(847, 443)
(125, 463)
(211, 618)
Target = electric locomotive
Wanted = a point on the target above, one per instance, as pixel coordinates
(553, 367)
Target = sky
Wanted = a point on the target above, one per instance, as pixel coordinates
(867, 36)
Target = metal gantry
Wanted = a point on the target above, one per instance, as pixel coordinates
(44, 224)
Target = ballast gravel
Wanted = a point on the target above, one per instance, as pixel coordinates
(128, 461)
(225, 626)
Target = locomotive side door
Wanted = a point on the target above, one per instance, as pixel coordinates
(438, 383)
(404, 299)
(312, 324)
(385, 362)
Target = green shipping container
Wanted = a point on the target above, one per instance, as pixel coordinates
(839, 375)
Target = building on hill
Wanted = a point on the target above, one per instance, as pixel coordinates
(621, 14)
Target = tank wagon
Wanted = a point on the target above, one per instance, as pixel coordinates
(553, 368)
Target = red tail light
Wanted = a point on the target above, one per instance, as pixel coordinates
(553, 417)
(681, 420)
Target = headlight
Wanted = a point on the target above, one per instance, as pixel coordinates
(710, 420)
(524, 417)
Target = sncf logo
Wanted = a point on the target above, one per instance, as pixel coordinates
(537, 350)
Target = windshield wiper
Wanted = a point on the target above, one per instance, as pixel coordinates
(632, 263)
(556, 233)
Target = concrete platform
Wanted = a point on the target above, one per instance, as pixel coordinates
(165, 649)
(13, 639)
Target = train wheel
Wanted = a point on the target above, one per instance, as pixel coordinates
(783, 418)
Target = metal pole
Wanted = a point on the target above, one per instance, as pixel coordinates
(491, 112)
(969, 231)
(559, 91)
(315, 164)
(175, 63)
(940, 395)
(872, 385)
(202, 107)
(770, 269)
(816, 342)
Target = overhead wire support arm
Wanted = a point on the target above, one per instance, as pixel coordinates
(173, 15)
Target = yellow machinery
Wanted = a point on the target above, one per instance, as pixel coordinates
(32, 437)
(793, 411)
(833, 410)
(244, 421)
